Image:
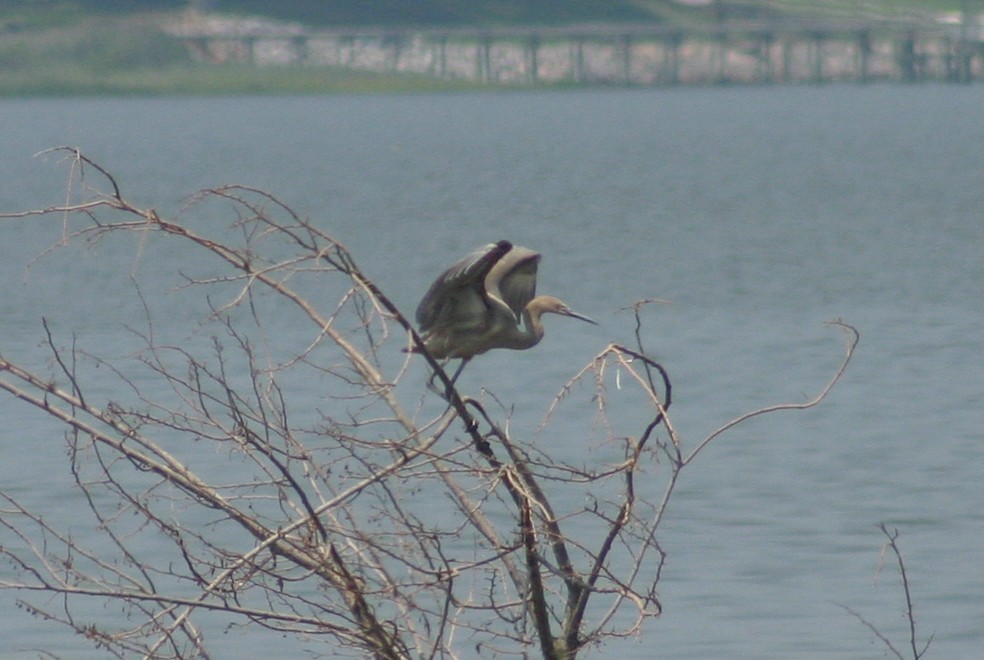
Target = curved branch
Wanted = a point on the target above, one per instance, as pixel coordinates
(852, 341)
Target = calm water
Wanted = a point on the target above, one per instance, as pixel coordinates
(759, 213)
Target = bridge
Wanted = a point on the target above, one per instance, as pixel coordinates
(639, 54)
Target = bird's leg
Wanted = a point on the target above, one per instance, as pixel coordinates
(430, 381)
(457, 372)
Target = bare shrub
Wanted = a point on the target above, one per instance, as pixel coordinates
(322, 490)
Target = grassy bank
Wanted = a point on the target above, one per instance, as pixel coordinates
(129, 56)
(202, 80)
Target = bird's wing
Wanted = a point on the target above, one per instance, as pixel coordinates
(513, 279)
(458, 295)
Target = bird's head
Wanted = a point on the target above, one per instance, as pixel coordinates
(551, 305)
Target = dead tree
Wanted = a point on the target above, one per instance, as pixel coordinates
(339, 497)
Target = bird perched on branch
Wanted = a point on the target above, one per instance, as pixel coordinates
(485, 301)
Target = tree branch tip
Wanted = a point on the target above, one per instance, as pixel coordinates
(639, 304)
(51, 150)
(844, 325)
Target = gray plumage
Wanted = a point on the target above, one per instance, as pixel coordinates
(487, 300)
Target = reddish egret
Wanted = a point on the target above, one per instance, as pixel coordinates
(481, 301)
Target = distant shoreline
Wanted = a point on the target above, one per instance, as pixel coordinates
(189, 53)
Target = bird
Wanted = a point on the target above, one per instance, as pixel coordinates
(486, 300)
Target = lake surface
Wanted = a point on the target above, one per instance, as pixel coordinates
(759, 213)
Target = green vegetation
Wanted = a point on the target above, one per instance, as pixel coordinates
(444, 12)
(556, 12)
(21, 14)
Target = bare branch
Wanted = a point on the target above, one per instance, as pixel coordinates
(916, 651)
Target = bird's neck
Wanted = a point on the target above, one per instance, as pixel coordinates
(532, 331)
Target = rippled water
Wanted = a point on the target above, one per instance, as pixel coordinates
(759, 213)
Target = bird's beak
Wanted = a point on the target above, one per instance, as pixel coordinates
(575, 315)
